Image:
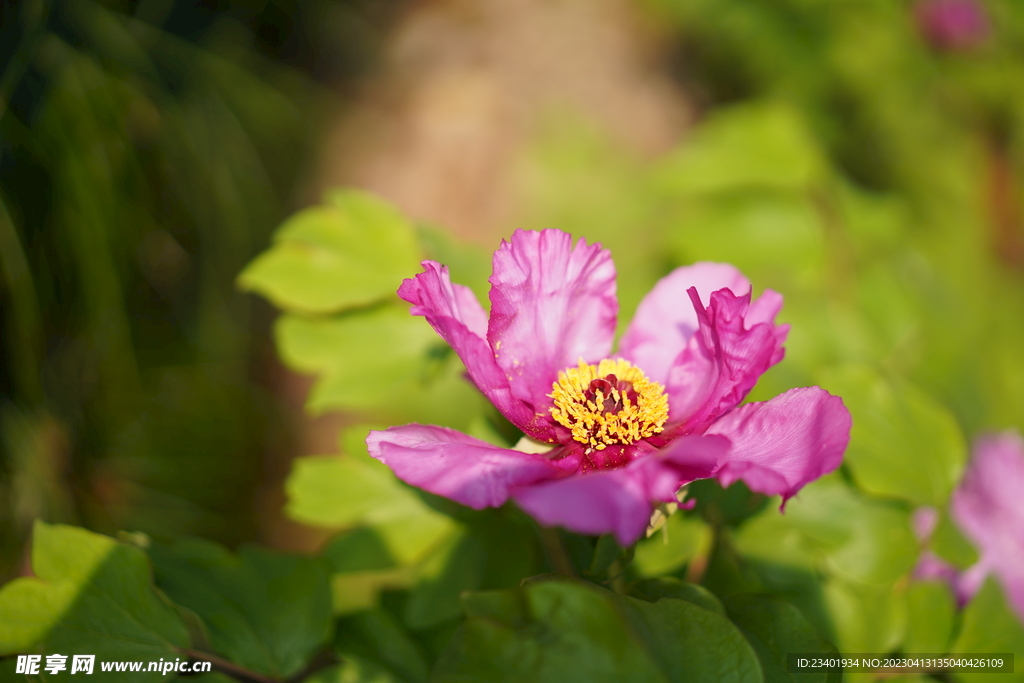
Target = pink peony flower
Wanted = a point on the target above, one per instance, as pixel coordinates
(931, 567)
(988, 508)
(622, 432)
(953, 24)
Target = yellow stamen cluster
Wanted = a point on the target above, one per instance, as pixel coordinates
(587, 416)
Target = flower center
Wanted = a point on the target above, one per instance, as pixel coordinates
(612, 402)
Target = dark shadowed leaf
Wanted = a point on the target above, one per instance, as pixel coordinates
(376, 636)
(265, 610)
(775, 628)
(565, 631)
(653, 590)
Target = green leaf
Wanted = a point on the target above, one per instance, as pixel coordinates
(357, 550)
(866, 618)
(90, 595)
(990, 625)
(363, 358)
(353, 670)
(468, 264)
(775, 628)
(749, 145)
(678, 542)
(949, 544)
(265, 610)
(456, 568)
(357, 591)
(375, 635)
(694, 644)
(492, 549)
(342, 491)
(773, 236)
(875, 222)
(931, 609)
(653, 590)
(346, 491)
(606, 551)
(351, 251)
(828, 525)
(576, 634)
(569, 631)
(507, 607)
(904, 443)
(731, 505)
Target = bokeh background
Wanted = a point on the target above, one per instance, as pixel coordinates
(863, 157)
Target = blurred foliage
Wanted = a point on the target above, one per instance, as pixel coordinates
(147, 150)
(885, 209)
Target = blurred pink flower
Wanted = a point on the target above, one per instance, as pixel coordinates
(931, 567)
(989, 509)
(952, 24)
(620, 433)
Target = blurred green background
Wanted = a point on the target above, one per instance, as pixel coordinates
(147, 150)
(863, 157)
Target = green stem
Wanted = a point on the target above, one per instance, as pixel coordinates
(227, 668)
(555, 551)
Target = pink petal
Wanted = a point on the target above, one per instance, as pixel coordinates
(620, 501)
(551, 305)
(763, 310)
(723, 361)
(1011, 576)
(695, 457)
(967, 583)
(666, 320)
(457, 316)
(931, 567)
(782, 444)
(458, 466)
(989, 508)
(987, 504)
(923, 521)
(601, 502)
(964, 584)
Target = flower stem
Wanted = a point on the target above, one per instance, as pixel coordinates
(231, 669)
(555, 551)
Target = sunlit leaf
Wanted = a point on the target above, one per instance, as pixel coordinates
(346, 491)
(931, 610)
(829, 525)
(949, 543)
(749, 145)
(90, 595)
(990, 625)
(866, 618)
(903, 443)
(774, 237)
(363, 359)
(351, 251)
(681, 540)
